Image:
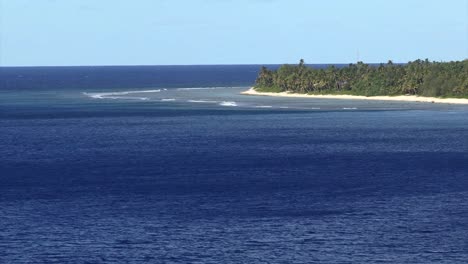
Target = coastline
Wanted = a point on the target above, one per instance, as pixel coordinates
(405, 98)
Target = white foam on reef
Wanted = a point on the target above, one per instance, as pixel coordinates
(349, 108)
(94, 95)
(263, 106)
(167, 99)
(130, 98)
(111, 96)
(117, 95)
(226, 103)
(201, 101)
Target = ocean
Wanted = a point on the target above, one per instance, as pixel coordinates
(171, 164)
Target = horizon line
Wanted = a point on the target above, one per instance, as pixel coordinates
(222, 64)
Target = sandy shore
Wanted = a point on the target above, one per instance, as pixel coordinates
(407, 98)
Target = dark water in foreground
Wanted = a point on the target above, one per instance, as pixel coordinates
(101, 175)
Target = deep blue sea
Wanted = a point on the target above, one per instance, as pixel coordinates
(171, 164)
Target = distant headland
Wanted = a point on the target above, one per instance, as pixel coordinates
(420, 80)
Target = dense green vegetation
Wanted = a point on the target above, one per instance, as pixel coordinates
(424, 78)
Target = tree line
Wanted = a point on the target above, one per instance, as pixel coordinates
(419, 77)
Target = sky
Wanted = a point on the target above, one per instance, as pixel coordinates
(186, 32)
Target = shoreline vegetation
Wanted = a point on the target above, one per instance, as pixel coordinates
(417, 81)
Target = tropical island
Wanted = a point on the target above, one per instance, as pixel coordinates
(419, 80)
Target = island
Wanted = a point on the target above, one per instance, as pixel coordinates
(419, 80)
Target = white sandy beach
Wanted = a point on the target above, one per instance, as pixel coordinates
(407, 98)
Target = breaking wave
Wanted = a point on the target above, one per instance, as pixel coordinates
(118, 95)
(226, 103)
(201, 101)
(263, 106)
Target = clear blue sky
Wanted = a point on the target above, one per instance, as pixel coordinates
(141, 32)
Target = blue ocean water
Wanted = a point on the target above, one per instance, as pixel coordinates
(172, 165)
